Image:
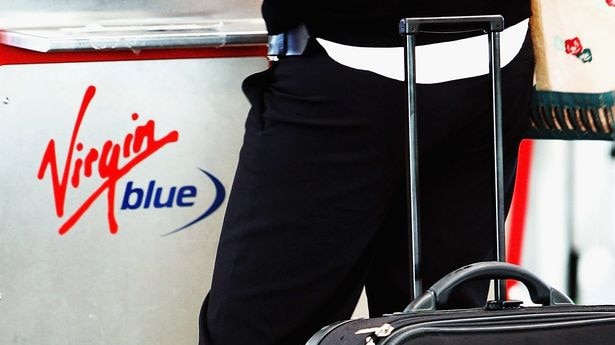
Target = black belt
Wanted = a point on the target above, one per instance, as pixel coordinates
(290, 43)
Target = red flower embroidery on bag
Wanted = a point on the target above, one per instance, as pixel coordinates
(573, 46)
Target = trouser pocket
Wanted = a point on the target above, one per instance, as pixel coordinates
(254, 87)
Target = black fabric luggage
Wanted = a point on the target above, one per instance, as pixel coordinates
(557, 322)
(552, 320)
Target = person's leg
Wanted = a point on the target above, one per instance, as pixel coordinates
(388, 286)
(311, 189)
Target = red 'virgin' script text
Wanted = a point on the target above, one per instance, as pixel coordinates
(134, 149)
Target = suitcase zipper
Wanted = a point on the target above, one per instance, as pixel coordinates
(379, 332)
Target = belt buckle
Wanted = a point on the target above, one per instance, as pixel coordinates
(290, 43)
(276, 46)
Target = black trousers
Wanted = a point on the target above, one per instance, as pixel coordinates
(317, 208)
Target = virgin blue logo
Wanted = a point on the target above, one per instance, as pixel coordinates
(153, 196)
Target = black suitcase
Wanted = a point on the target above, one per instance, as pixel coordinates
(554, 320)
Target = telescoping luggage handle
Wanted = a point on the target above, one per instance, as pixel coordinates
(410, 27)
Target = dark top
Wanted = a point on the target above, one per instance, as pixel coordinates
(375, 22)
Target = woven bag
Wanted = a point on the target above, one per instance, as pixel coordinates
(574, 45)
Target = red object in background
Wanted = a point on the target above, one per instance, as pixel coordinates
(574, 46)
(14, 56)
(519, 205)
(610, 2)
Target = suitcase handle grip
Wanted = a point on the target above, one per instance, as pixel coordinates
(438, 294)
(455, 24)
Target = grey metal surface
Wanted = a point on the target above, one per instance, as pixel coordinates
(45, 12)
(96, 24)
(183, 32)
(90, 287)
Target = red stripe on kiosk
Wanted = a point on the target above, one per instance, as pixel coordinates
(15, 56)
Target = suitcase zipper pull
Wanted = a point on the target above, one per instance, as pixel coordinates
(369, 341)
(382, 331)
